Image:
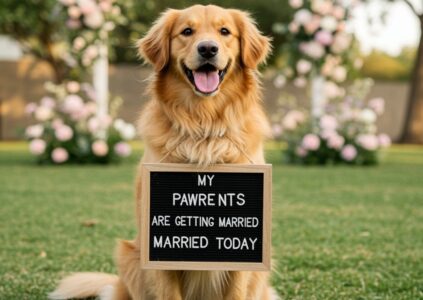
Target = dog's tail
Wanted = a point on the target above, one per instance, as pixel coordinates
(84, 285)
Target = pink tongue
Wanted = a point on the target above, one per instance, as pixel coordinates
(206, 82)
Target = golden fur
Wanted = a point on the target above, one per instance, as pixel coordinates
(181, 125)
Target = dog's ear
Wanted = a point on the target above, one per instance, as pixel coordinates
(154, 47)
(255, 47)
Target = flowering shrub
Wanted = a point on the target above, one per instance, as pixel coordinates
(89, 22)
(318, 44)
(69, 130)
(345, 133)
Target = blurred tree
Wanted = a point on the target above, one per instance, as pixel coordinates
(413, 129)
(36, 24)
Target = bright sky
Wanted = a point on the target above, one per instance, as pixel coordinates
(400, 29)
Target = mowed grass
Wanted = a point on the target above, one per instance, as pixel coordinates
(338, 232)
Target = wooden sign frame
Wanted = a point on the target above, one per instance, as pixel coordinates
(264, 265)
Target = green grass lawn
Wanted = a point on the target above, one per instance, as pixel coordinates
(338, 232)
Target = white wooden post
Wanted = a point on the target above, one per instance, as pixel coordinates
(101, 82)
(318, 98)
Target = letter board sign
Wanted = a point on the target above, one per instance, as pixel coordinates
(215, 218)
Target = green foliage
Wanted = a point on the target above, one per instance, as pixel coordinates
(28, 19)
(338, 233)
(38, 26)
(380, 65)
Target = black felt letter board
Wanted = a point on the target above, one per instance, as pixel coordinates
(244, 244)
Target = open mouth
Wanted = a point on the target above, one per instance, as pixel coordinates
(207, 78)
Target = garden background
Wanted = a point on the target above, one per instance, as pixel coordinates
(339, 231)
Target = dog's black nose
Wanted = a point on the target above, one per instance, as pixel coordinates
(207, 49)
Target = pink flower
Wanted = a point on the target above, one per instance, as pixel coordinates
(330, 63)
(324, 37)
(293, 27)
(48, 102)
(94, 20)
(292, 119)
(313, 24)
(34, 131)
(341, 42)
(30, 108)
(368, 141)
(300, 82)
(127, 132)
(73, 24)
(73, 104)
(86, 61)
(349, 153)
(109, 26)
(312, 49)
(311, 142)
(329, 23)
(338, 12)
(67, 2)
(368, 116)
(59, 155)
(279, 81)
(377, 105)
(335, 141)
(295, 3)
(303, 66)
(301, 152)
(43, 113)
(91, 52)
(341, 26)
(100, 148)
(322, 7)
(93, 125)
(116, 11)
(87, 6)
(105, 6)
(326, 134)
(384, 140)
(339, 74)
(277, 130)
(63, 133)
(122, 149)
(37, 146)
(56, 123)
(78, 43)
(91, 108)
(328, 122)
(303, 16)
(105, 121)
(73, 87)
(74, 12)
(332, 90)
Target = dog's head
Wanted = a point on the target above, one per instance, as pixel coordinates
(204, 44)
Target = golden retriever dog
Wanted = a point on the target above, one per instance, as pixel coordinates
(205, 108)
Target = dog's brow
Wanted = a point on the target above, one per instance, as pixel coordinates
(192, 22)
(219, 22)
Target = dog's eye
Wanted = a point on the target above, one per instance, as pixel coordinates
(225, 31)
(187, 31)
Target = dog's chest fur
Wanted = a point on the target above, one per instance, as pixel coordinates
(198, 139)
(204, 285)
(204, 151)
